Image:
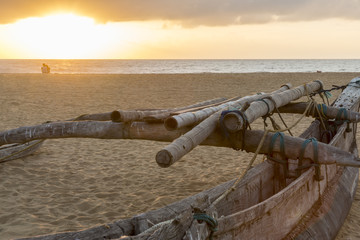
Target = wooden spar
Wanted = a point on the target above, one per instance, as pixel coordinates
(233, 122)
(330, 112)
(93, 117)
(108, 115)
(190, 118)
(206, 106)
(164, 113)
(327, 153)
(20, 150)
(146, 131)
(90, 129)
(184, 144)
(67, 129)
(14, 151)
(138, 115)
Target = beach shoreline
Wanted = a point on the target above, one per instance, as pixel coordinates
(72, 184)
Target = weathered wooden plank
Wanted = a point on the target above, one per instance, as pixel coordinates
(324, 221)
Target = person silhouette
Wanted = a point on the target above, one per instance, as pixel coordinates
(45, 68)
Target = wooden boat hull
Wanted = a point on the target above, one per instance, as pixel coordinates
(326, 220)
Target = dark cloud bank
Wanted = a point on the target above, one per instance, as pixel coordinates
(186, 12)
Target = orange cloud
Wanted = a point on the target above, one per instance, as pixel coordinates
(186, 12)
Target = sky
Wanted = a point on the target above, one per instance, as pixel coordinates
(172, 29)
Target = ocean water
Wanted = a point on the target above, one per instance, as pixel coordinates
(179, 66)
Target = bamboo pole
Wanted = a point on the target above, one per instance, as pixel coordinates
(233, 122)
(146, 131)
(330, 112)
(66, 129)
(327, 154)
(191, 118)
(194, 109)
(184, 144)
(138, 115)
(98, 129)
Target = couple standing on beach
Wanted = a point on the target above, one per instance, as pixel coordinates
(45, 68)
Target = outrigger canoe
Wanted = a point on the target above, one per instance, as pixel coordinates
(303, 190)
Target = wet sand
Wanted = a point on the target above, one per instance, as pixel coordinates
(72, 184)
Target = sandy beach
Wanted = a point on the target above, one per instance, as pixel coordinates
(72, 184)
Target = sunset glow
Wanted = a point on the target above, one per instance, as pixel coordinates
(60, 36)
(166, 30)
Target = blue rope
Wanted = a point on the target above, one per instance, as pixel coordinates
(338, 121)
(342, 111)
(221, 120)
(284, 160)
(322, 109)
(224, 130)
(282, 145)
(210, 221)
(315, 156)
(267, 105)
(328, 94)
(305, 143)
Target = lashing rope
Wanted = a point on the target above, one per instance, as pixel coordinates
(339, 121)
(315, 158)
(284, 160)
(282, 145)
(268, 115)
(210, 221)
(322, 109)
(276, 127)
(224, 130)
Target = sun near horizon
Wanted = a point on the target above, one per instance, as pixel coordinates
(67, 35)
(59, 36)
